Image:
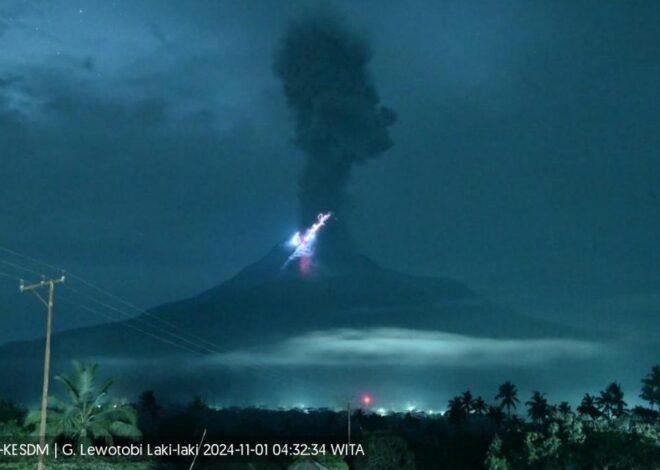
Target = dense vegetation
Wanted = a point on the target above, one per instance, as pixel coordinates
(602, 431)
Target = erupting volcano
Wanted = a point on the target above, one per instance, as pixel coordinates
(314, 298)
(338, 119)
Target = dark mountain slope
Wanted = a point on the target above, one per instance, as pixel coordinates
(271, 300)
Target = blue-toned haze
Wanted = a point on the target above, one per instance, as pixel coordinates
(147, 146)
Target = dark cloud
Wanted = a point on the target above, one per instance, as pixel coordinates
(339, 121)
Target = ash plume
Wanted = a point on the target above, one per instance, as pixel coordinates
(338, 117)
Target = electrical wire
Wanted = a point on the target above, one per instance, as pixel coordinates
(128, 325)
(127, 317)
(22, 268)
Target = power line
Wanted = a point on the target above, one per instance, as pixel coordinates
(141, 310)
(22, 268)
(34, 260)
(108, 306)
(128, 316)
(10, 276)
(123, 321)
(217, 350)
(133, 327)
(98, 289)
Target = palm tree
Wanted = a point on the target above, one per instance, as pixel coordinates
(588, 407)
(564, 408)
(148, 403)
(508, 394)
(643, 414)
(651, 387)
(538, 408)
(456, 411)
(9, 411)
(495, 414)
(479, 406)
(198, 404)
(87, 414)
(467, 401)
(611, 401)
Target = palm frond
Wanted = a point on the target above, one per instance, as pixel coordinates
(125, 430)
(70, 387)
(101, 431)
(87, 414)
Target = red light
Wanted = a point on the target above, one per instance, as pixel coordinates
(305, 265)
(366, 400)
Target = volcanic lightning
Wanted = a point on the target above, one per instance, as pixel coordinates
(304, 242)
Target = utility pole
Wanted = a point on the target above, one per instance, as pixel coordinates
(34, 288)
(348, 411)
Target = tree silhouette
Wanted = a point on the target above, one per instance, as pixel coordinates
(588, 407)
(564, 408)
(495, 414)
(611, 401)
(87, 415)
(385, 450)
(479, 406)
(467, 401)
(651, 387)
(147, 402)
(9, 411)
(456, 411)
(644, 414)
(537, 407)
(198, 404)
(508, 394)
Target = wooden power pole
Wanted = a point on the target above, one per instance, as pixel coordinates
(348, 413)
(34, 288)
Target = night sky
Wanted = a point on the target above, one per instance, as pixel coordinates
(147, 146)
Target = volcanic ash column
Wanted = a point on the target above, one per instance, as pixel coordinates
(338, 117)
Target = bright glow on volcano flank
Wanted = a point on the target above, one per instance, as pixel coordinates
(304, 243)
